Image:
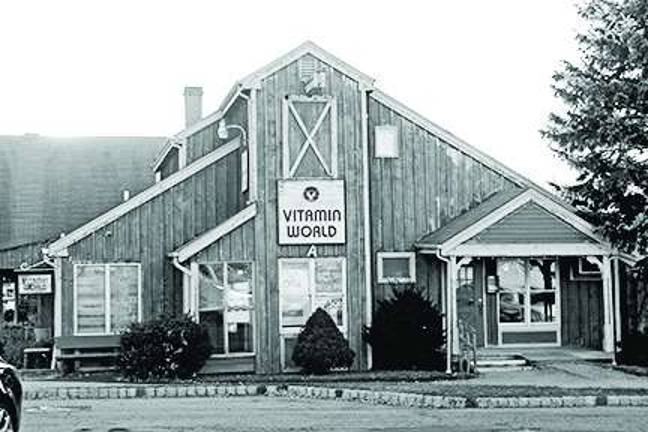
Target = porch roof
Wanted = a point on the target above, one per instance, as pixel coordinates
(468, 218)
(516, 222)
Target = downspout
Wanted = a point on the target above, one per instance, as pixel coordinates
(186, 282)
(366, 223)
(617, 309)
(448, 323)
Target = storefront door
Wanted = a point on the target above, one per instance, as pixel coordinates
(306, 284)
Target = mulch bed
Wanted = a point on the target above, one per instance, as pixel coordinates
(473, 391)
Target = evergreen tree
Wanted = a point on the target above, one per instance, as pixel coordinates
(603, 130)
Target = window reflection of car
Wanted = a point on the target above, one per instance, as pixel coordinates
(10, 398)
(510, 308)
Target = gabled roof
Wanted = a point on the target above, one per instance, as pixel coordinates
(467, 226)
(52, 185)
(468, 218)
(254, 79)
(59, 246)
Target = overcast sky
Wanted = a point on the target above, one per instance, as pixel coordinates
(481, 69)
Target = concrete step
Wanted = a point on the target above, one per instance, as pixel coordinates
(501, 361)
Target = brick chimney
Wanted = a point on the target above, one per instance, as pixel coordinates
(193, 105)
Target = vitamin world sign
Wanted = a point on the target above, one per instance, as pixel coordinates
(311, 212)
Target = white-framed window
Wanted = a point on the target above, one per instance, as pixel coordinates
(244, 170)
(396, 267)
(386, 141)
(306, 284)
(584, 270)
(225, 304)
(107, 297)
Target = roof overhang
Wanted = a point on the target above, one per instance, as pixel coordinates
(188, 250)
(254, 79)
(457, 244)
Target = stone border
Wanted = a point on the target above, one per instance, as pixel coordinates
(399, 399)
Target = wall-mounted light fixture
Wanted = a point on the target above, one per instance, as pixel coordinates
(223, 133)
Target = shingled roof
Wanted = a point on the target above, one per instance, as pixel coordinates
(49, 186)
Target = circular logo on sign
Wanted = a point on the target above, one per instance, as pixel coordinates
(311, 194)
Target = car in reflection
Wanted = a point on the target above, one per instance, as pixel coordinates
(11, 395)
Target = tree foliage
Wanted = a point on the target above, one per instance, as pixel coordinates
(603, 130)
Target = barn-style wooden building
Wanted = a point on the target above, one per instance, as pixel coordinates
(309, 187)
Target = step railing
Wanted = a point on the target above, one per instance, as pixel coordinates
(468, 344)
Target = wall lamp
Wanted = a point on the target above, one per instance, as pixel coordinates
(223, 133)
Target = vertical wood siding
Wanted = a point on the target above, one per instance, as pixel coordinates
(581, 306)
(270, 97)
(206, 140)
(429, 184)
(12, 258)
(148, 233)
(235, 246)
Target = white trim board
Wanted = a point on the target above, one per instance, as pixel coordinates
(529, 250)
(196, 245)
(148, 194)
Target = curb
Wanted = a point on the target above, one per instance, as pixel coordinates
(397, 399)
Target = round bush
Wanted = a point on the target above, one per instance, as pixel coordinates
(163, 348)
(407, 332)
(321, 346)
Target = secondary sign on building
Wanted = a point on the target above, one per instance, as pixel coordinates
(311, 212)
(34, 283)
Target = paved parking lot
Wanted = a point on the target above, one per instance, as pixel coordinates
(281, 414)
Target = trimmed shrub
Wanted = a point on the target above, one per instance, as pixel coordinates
(165, 348)
(14, 338)
(634, 349)
(321, 346)
(407, 333)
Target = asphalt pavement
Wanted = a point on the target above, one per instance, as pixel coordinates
(257, 414)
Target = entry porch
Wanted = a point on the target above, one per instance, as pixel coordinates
(521, 271)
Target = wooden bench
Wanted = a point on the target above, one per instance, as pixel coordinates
(74, 349)
(34, 351)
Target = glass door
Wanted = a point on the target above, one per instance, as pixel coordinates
(306, 284)
(527, 301)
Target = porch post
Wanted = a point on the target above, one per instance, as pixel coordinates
(617, 306)
(449, 327)
(452, 295)
(608, 327)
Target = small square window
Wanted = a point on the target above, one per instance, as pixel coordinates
(396, 267)
(582, 269)
(386, 145)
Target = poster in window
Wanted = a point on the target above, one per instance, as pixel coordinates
(294, 285)
(239, 294)
(34, 283)
(8, 291)
(124, 296)
(329, 275)
(90, 301)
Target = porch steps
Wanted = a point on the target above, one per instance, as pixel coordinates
(501, 362)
